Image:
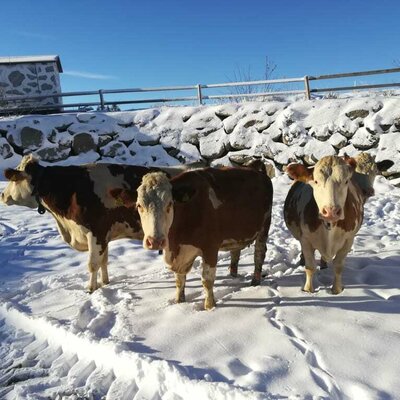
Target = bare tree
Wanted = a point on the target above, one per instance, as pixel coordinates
(245, 75)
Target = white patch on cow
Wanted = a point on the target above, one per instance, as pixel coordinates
(72, 233)
(102, 181)
(121, 230)
(331, 179)
(234, 244)
(155, 207)
(183, 260)
(213, 198)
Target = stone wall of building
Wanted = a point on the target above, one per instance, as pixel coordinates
(29, 79)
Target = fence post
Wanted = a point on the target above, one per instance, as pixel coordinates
(199, 94)
(101, 99)
(307, 87)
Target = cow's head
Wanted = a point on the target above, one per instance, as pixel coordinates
(155, 203)
(366, 171)
(329, 180)
(19, 189)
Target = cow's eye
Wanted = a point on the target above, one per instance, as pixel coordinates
(316, 182)
(169, 206)
(139, 207)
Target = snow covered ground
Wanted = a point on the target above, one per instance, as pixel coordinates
(129, 340)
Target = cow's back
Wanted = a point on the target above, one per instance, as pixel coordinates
(78, 198)
(228, 205)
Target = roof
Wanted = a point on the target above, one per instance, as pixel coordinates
(32, 59)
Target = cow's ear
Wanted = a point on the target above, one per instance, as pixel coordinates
(123, 197)
(183, 194)
(351, 162)
(300, 172)
(14, 175)
(384, 165)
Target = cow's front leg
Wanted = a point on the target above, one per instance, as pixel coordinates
(338, 264)
(180, 280)
(309, 260)
(233, 268)
(103, 265)
(95, 258)
(207, 279)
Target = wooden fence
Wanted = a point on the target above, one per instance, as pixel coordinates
(15, 104)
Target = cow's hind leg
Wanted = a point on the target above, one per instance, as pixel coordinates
(338, 264)
(95, 261)
(180, 281)
(260, 248)
(309, 259)
(233, 268)
(207, 279)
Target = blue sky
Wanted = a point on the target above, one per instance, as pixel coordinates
(120, 43)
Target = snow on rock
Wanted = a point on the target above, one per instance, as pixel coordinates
(279, 131)
(213, 145)
(364, 139)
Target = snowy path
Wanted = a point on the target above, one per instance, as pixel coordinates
(128, 340)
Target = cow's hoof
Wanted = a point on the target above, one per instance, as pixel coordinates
(90, 289)
(209, 304)
(337, 290)
(255, 282)
(308, 290)
(233, 272)
(180, 299)
(105, 282)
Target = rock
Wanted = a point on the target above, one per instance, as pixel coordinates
(314, 150)
(83, 142)
(56, 153)
(357, 114)
(16, 78)
(6, 151)
(364, 140)
(104, 140)
(31, 138)
(188, 153)
(214, 145)
(337, 140)
(242, 138)
(114, 149)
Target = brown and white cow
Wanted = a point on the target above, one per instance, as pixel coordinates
(87, 216)
(324, 210)
(200, 212)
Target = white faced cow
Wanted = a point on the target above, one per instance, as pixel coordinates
(87, 216)
(324, 210)
(200, 212)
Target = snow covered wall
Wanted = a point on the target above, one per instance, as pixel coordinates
(281, 132)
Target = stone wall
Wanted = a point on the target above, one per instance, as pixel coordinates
(29, 79)
(227, 134)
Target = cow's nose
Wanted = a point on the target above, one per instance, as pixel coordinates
(331, 212)
(153, 243)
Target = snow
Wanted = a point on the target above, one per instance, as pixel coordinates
(129, 340)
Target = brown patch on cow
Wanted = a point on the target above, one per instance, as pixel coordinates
(14, 175)
(300, 172)
(68, 192)
(241, 215)
(124, 197)
(353, 213)
(293, 213)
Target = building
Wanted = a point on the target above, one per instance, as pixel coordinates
(30, 76)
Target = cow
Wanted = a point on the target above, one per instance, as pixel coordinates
(87, 217)
(324, 209)
(198, 213)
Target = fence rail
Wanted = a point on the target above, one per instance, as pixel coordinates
(10, 104)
